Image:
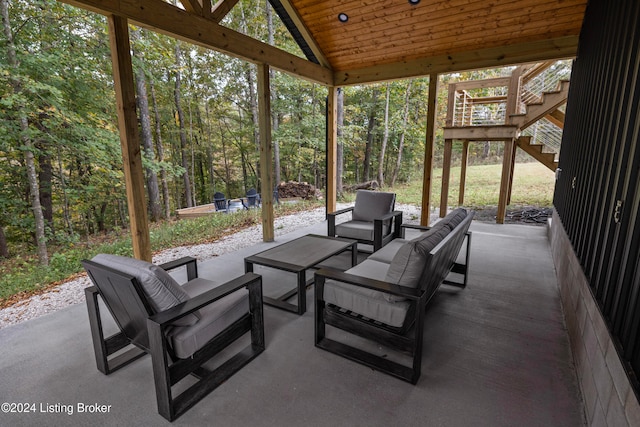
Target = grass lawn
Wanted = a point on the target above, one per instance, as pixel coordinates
(533, 185)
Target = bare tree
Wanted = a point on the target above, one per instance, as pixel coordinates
(27, 142)
(405, 118)
(160, 153)
(385, 138)
(142, 101)
(183, 135)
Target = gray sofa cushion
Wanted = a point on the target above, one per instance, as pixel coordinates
(387, 252)
(367, 302)
(214, 318)
(454, 218)
(372, 205)
(409, 262)
(162, 291)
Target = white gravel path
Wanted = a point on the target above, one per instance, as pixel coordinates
(72, 292)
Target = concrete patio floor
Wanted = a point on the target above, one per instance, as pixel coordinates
(495, 354)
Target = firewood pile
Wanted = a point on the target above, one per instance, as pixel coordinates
(302, 190)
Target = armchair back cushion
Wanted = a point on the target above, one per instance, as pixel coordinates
(372, 204)
(161, 290)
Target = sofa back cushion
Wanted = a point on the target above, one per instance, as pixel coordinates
(161, 290)
(371, 205)
(407, 266)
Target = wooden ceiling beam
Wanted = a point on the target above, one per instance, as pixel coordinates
(558, 48)
(164, 18)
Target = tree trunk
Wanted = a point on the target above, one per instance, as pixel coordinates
(4, 249)
(34, 191)
(45, 177)
(405, 118)
(65, 197)
(275, 123)
(142, 102)
(340, 147)
(160, 153)
(385, 138)
(183, 135)
(366, 170)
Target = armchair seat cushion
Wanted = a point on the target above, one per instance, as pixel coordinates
(366, 302)
(161, 289)
(214, 318)
(359, 230)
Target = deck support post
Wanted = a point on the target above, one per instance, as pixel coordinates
(509, 148)
(129, 136)
(332, 149)
(446, 172)
(266, 152)
(429, 146)
(513, 168)
(463, 171)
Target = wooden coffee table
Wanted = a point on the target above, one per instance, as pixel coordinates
(297, 256)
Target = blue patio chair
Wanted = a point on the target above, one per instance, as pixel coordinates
(221, 202)
(252, 200)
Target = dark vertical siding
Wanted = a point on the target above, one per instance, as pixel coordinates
(597, 193)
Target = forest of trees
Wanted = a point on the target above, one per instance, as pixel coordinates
(60, 163)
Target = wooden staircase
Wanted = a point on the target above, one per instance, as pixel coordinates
(537, 152)
(527, 117)
(548, 105)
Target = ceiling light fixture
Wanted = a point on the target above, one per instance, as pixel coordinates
(414, 2)
(343, 17)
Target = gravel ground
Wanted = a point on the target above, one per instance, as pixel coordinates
(72, 292)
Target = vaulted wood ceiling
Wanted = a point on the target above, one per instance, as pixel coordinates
(382, 39)
(390, 31)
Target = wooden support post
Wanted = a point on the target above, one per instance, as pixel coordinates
(266, 152)
(511, 174)
(509, 146)
(429, 146)
(446, 172)
(332, 148)
(463, 171)
(129, 136)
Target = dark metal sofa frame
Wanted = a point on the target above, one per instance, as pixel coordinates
(407, 338)
(146, 331)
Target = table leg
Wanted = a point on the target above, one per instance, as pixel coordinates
(354, 254)
(248, 267)
(302, 291)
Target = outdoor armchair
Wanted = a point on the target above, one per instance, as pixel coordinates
(252, 199)
(181, 327)
(373, 219)
(220, 201)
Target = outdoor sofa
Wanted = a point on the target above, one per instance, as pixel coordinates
(384, 298)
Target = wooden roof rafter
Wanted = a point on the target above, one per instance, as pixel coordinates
(173, 21)
(221, 9)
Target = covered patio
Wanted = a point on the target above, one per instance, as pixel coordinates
(495, 354)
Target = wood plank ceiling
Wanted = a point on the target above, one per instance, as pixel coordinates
(382, 32)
